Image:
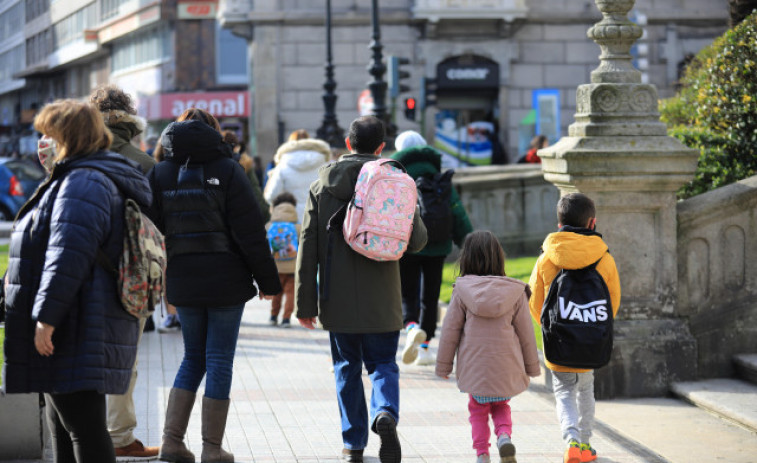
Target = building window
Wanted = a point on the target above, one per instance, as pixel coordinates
(10, 21)
(113, 8)
(149, 47)
(34, 8)
(231, 58)
(11, 62)
(71, 28)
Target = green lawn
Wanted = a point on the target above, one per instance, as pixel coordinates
(519, 268)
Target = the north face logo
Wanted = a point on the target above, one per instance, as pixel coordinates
(591, 312)
(214, 181)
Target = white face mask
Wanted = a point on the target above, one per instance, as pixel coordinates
(47, 150)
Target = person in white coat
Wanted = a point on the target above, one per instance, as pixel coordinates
(297, 163)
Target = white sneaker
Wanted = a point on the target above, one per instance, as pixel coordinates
(425, 358)
(415, 338)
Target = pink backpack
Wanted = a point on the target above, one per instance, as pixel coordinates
(379, 217)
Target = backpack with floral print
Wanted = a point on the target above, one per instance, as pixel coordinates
(379, 217)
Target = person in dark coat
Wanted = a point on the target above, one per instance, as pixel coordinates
(358, 300)
(216, 245)
(67, 333)
(421, 272)
(121, 118)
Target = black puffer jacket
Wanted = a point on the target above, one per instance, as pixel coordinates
(215, 236)
(53, 277)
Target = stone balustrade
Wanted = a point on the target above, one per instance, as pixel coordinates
(514, 202)
(717, 273)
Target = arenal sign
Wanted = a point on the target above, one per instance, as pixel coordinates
(219, 104)
(467, 72)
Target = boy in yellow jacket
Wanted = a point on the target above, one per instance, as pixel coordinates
(576, 245)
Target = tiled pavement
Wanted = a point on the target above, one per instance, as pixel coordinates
(284, 407)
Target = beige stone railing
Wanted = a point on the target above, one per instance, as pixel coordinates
(514, 202)
(717, 273)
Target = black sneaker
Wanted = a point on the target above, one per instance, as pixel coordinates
(285, 323)
(352, 456)
(149, 325)
(390, 450)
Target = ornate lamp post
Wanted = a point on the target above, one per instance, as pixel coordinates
(329, 131)
(377, 69)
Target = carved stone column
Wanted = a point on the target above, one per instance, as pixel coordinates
(619, 154)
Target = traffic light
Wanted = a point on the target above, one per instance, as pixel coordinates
(410, 104)
(395, 75)
(428, 93)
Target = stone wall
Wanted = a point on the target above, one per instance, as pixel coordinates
(514, 202)
(717, 273)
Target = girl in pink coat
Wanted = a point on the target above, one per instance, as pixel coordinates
(489, 326)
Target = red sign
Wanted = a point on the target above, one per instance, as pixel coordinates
(219, 104)
(197, 9)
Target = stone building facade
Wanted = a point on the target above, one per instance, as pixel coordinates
(537, 49)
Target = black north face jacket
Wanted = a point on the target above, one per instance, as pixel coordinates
(215, 236)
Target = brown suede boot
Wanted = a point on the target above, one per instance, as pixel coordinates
(214, 413)
(180, 403)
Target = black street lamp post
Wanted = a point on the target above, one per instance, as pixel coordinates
(377, 69)
(329, 131)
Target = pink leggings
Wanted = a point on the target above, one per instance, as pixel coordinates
(479, 420)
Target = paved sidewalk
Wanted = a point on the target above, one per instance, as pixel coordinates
(284, 410)
(284, 406)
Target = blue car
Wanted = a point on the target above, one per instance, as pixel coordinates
(19, 179)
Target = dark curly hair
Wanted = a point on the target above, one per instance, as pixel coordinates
(109, 97)
(284, 197)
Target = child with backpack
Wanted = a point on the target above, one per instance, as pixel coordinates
(572, 282)
(283, 233)
(488, 325)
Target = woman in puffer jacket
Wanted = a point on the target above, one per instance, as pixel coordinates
(216, 245)
(297, 163)
(67, 333)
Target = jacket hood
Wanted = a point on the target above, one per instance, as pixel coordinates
(284, 212)
(302, 160)
(419, 154)
(489, 296)
(124, 173)
(123, 124)
(193, 141)
(308, 144)
(339, 178)
(574, 248)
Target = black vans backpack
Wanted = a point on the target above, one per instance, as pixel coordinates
(434, 194)
(577, 319)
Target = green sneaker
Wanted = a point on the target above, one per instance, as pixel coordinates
(587, 453)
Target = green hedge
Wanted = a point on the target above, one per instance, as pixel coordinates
(716, 109)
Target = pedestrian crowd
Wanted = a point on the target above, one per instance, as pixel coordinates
(354, 244)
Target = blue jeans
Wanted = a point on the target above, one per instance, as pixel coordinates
(210, 339)
(377, 351)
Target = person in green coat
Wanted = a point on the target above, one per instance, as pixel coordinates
(421, 272)
(358, 300)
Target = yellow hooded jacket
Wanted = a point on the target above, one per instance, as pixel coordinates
(571, 250)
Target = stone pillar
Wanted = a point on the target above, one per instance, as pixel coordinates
(619, 154)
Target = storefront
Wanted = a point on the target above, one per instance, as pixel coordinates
(467, 101)
(230, 108)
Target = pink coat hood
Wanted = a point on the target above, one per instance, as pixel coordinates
(489, 325)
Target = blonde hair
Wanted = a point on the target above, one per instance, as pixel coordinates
(299, 134)
(77, 128)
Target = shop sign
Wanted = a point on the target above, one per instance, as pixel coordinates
(130, 23)
(467, 72)
(197, 9)
(219, 104)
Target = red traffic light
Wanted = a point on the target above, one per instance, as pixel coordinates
(410, 103)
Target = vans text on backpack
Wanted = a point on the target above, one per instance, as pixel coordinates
(577, 319)
(434, 194)
(379, 217)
